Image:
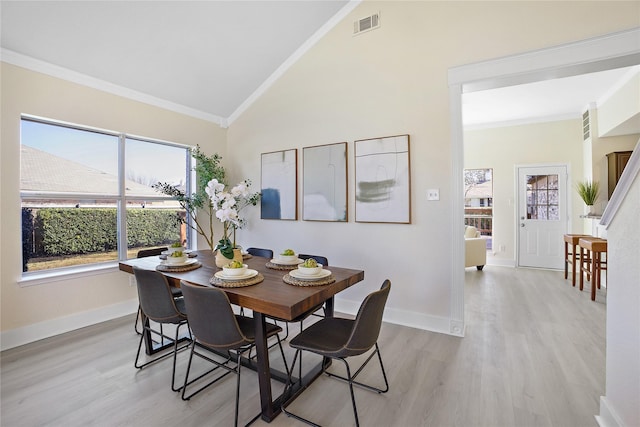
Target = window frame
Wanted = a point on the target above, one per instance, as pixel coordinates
(29, 278)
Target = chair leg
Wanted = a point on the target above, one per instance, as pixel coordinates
(350, 379)
(135, 325)
(366, 386)
(353, 397)
(239, 365)
(174, 353)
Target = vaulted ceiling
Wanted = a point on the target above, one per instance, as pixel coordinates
(210, 58)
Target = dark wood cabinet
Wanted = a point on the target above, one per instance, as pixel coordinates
(616, 162)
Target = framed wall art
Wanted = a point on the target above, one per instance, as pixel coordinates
(325, 183)
(383, 180)
(279, 185)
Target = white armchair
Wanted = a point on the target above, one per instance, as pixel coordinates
(475, 248)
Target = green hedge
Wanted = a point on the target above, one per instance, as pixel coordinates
(67, 231)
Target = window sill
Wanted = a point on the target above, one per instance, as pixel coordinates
(43, 277)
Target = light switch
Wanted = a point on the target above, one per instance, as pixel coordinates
(433, 194)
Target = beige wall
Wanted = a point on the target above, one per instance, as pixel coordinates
(389, 81)
(621, 106)
(33, 93)
(558, 142)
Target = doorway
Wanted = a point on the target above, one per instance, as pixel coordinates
(542, 216)
(598, 54)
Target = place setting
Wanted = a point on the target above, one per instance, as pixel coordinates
(309, 273)
(177, 260)
(236, 275)
(287, 260)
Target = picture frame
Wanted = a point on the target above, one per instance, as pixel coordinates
(279, 185)
(383, 180)
(324, 193)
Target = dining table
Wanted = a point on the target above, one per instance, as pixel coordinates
(270, 298)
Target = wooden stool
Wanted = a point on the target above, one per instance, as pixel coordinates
(591, 250)
(571, 257)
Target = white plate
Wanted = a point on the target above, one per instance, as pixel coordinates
(281, 262)
(188, 251)
(248, 275)
(189, 261)
(300, 276)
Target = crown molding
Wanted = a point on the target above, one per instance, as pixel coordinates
(33, 64)
(304, 48)
(524, 121)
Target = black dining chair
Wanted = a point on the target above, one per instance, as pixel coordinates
(158, 304)
(143, 253)
(266, 253)
(343, 338)
(217, 329)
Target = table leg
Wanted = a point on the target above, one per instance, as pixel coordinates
(573, 265)
(581, 265)
(264, 374)
(566, 262)
(594, 277)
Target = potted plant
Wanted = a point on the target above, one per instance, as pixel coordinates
(206, 168)
(227, 205)
(588, 191)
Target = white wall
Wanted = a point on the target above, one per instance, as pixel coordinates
(33, 312)
(620, 112)
(620, 407)
(389, 81)
(558, 142)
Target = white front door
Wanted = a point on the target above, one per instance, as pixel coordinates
(542, 216)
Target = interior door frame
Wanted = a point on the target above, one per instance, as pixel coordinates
(518, 196)
(600, 53)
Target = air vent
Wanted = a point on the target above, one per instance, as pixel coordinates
(586, 126)
(366, 24)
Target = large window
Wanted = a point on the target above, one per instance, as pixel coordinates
(87, 194)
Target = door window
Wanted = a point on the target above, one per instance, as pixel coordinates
(542, 197)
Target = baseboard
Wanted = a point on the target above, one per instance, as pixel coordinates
(37, 331)
(607, 417)
(402, 317)
(27, 334)
(501, 262)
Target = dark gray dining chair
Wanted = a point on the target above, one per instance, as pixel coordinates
(340, 339)
(217, 329)
(266, 253)
(143, 253)
(158, 304)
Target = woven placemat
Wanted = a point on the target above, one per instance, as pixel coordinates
(178, 269)
(297, 282)
(247, 256)
(221, 283)
(283, 267)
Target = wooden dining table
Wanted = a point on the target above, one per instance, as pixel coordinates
(270, 298)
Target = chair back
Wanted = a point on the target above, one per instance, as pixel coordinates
(211, 318)
(143, 253)
(368, 322)
(156, 299)
(266, 253)
(319, 258)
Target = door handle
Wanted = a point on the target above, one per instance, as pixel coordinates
(522, 224)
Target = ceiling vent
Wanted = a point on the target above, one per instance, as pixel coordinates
(366, 24)
(586, 126)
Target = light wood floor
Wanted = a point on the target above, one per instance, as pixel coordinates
(533, 355)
